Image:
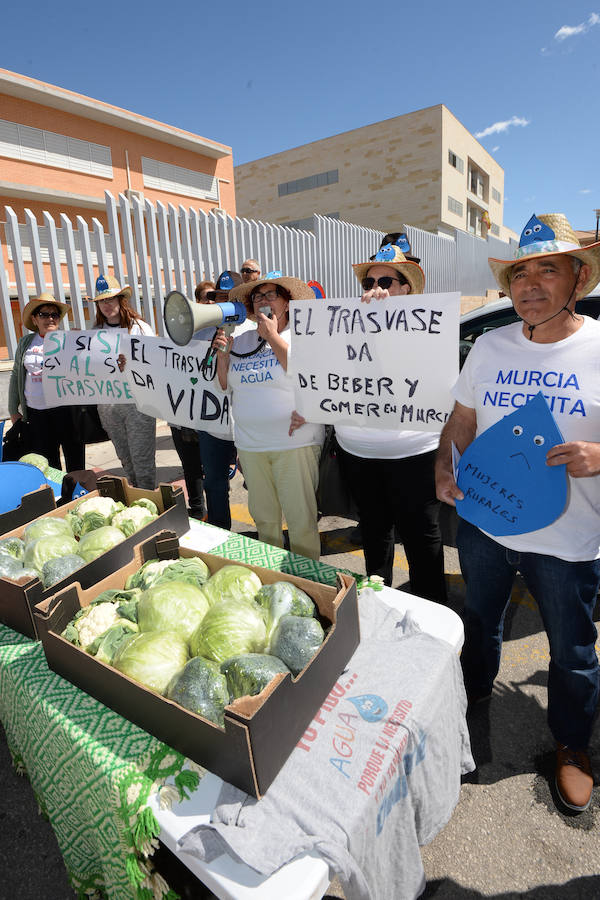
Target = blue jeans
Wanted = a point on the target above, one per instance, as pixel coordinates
(566, 595)
(217, 456)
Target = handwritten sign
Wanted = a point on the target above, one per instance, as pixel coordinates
(168, 382)
(508, 487)
(387, 364)
(81, 367)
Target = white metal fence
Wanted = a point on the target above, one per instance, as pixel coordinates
(156, 248)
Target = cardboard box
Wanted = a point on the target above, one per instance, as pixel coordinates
(260, 732)
(17, 599)
(32, 505)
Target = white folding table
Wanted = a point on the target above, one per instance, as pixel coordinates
(307, 876)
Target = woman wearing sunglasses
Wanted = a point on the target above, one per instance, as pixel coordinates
(391, 472)
(49, 427)
(281, 469)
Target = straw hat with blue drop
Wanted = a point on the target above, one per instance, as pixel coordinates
(549, 235)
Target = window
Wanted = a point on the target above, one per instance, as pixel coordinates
(478, 183)
(495, 229)
(308, 183)
(496, 195)
(474, 214)
(307, 224)
(456, 162)
(454, 206)
(175, 180)
(49, 149)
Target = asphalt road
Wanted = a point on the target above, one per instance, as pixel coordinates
(506, 839)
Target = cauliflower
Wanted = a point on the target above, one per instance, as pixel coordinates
(93, 621)
(92, 513)
(106, 506)
(131, 520)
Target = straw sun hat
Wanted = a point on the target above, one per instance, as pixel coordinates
(549, 235)
(107, 287)
(298, 289)
(391, 255)
(34, 304)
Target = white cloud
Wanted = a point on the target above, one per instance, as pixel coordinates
(568, 31)
(497, 147)
(499, 127)
(585, 191)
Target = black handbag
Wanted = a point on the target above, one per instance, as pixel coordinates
(87, 425)
(16, 441)
(334, 497)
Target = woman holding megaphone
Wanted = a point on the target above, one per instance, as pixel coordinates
(281, 470)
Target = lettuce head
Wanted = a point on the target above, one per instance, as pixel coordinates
(97, 542)
(232, 583)
(43, 549)
(172, 606)
(230, 628)
(37, 460)
(46, 527)
(152, 658)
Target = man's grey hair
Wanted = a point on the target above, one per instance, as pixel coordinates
(576, 263)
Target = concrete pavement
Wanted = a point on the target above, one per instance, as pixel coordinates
(506, 838)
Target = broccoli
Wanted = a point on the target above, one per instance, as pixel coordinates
(10, 567)
(56, 569)
(279, 599)
(249, 673)
(296, 640)
(12, 546)
(201, 688)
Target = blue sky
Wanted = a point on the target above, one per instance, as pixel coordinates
(264, 77)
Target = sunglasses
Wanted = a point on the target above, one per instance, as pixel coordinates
(48, 315)
(383, 282)
(247, 271)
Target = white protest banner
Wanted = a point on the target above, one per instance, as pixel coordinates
(168, 382)
(81, 367)
(387, 364)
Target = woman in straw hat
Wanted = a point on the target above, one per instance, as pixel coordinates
(281, 469)
(391, 473)
(50, 428)
(132, 432)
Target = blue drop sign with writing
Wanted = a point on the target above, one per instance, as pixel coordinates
(508, 486)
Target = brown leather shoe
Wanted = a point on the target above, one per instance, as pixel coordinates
(574, 779)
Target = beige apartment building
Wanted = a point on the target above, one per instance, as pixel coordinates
(423, 168)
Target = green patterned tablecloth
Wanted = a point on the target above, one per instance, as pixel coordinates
(91, 770)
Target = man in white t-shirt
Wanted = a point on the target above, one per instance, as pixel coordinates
(555, 350)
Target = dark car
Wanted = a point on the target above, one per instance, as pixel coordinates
(493, 315)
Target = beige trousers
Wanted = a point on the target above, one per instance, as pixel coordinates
(284, 481)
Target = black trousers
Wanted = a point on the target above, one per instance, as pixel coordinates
(188, 451)
(52, 429)
(397, 502)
